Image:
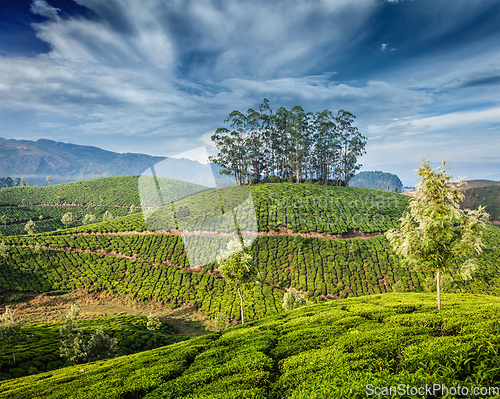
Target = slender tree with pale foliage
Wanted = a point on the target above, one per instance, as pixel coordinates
(107, 216)
(72, 346)
(238, 268)
(30, 227)
(89, 218)
(293, 299)
(436, 235)
(4, 250)
(10, 330)
(153, 324)
(67, 219)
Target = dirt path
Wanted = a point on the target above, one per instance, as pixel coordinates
(282, 231)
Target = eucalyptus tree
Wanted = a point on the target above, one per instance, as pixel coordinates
(291, 144)
(254, 143)
(226, 158)
(298, 129)
(352, 144)
(269, 138)
(284, 144)
(326, 145)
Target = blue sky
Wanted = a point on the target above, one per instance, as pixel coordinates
(158, 77)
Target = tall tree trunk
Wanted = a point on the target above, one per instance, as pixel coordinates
(298, 167)
(241, 306)
(13, 355)
(438, 286)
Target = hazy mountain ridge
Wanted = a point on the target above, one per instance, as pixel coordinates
(377, 180)
(64, 162)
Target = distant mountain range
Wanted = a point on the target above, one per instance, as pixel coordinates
(63, 162)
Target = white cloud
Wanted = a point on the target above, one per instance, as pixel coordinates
(170, 72)
(44, 9)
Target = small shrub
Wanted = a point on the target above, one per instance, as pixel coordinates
(293, 299)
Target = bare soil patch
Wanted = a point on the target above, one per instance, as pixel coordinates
(40, 308)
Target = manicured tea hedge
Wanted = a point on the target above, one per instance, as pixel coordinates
(157, 267)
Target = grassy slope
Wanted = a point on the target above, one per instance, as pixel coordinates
(330, 350)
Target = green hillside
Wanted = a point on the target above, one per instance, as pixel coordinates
(155, 266)
(46, 205)
(40, 350)
(485, 196)
(113, 257)
(300, 208)
(339, 349)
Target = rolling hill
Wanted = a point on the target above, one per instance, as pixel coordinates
(327, 242)
(324, 241)
(339, 349)
(488, 196)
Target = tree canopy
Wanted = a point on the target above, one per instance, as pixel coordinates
(435, 234)
(238, 268)
(292, 145)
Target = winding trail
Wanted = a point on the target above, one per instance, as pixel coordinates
(281, 232)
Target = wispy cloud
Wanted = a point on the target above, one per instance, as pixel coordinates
(169, 72)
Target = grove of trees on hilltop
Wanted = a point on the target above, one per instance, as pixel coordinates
(289, 145)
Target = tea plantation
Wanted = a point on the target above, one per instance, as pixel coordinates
(338, 349)
(40, 350)
(306, 240)
(298, 207)
(155, 266)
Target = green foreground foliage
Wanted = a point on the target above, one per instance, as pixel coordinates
(330, 350)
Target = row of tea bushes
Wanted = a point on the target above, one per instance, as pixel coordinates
(335, 350)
